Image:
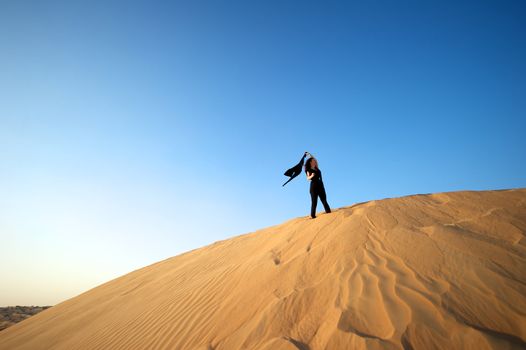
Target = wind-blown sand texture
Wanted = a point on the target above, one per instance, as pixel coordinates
(438, 271)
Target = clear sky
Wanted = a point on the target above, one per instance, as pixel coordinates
(133, 131)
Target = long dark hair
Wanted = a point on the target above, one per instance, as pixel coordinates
(311, 163)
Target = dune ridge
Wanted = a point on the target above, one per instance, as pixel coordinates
(434, 271)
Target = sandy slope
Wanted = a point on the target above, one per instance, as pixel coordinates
(440, 271)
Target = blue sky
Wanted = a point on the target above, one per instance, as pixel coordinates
(131, 132)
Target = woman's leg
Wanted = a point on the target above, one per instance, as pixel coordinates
(323, 198)
(314, 202)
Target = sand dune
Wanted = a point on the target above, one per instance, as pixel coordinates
(438, 271)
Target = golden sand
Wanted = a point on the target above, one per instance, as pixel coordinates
(438, 271)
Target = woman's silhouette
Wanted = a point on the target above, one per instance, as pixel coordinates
(316, 186)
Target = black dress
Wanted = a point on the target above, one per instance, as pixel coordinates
(317, 190)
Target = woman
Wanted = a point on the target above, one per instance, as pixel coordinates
(316, 186)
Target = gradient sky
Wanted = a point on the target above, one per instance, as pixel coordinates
(133, 131)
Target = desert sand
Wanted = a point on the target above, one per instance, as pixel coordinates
(437, 271)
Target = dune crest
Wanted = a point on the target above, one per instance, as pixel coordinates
(437, 271)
